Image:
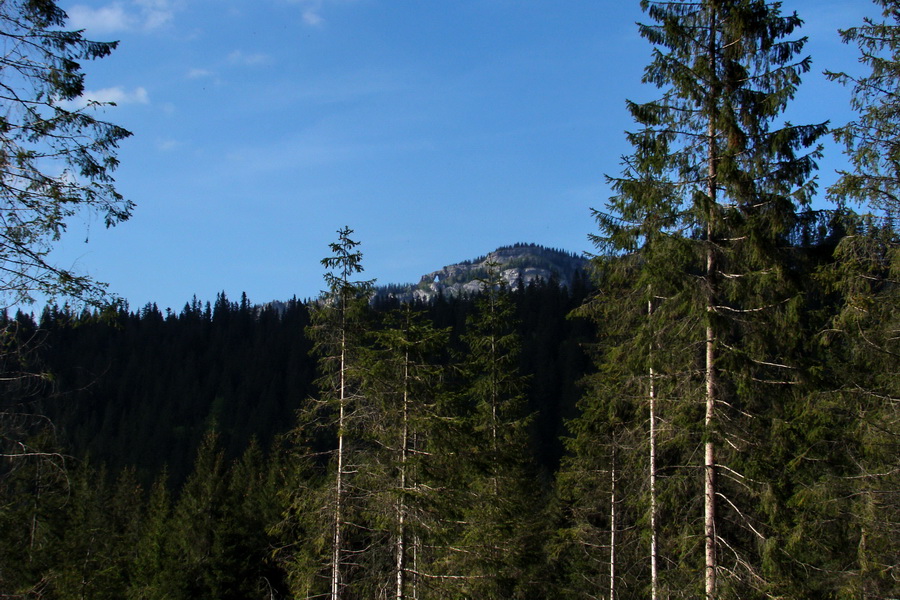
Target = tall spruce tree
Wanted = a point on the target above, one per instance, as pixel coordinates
(326, 505)
(405, 382)
(608, 483)
(706, 205)
(493, 549)
(33, 497)
(99, 538)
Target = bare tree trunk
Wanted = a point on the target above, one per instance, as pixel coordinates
(416, 541)
(416, 549)
(709, 469)
(337, 541)
(34, 515)
(401, 502)
(612, 524)
(494, 401)
(654, 567)
(709, 456)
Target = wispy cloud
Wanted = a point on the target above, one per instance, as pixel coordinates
(312, 14)
(155, 13)
(119, 95)
(199, 73)
(239, 57)
(105, 19)
(121, 16)
(167, 145)
(112, 95)
(313, 150)
(312, 11)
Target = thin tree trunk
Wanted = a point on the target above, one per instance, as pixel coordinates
(612, 524)
(336, 550)
(709, 456)
(401, 502)
(416, 549)
(416, 540)
(494, 398)
(34, 515)
(401, 551)
(654, 567)
(709, 469)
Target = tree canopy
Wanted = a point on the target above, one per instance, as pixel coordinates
(56, 155)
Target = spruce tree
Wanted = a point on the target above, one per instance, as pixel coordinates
(871, 139)
(252, 504)
(154, 561)
(858, 424)
(608, 485)
(493, 550)
(850, 492)
(706, 205)
(197, 520)
(405, 383)
(99, 541)
(324, 510)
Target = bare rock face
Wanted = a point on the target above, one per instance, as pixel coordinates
(521, 263)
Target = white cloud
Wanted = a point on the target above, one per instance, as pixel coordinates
(311, 10)
(249, 60)
(199, 74)
(311, 16)
(119, 16)
(113, 95)
(100, 20)
(155, 13)
(118, 95)
(168, 145)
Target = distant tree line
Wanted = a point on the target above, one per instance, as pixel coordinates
(141, 388)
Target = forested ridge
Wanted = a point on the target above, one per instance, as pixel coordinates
(141, 388)
(713, 414)
(150, 402)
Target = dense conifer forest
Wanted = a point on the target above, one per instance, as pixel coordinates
(145, 406)
(141, 388)
(710, 412)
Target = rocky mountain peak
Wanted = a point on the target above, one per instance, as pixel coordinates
(523, 263)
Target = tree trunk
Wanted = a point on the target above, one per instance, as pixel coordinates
(654, 567)
(337, 541)
(612, 524)
(709, 457)
(709, 470)
(401, 502)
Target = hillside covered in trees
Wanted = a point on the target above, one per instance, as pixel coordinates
(153, 402)
(141, 389)
(714, 414)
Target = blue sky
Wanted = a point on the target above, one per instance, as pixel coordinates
(438, 130)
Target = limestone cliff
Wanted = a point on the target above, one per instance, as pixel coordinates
(519, 263)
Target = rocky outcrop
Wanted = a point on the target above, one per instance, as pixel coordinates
(522, 263)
